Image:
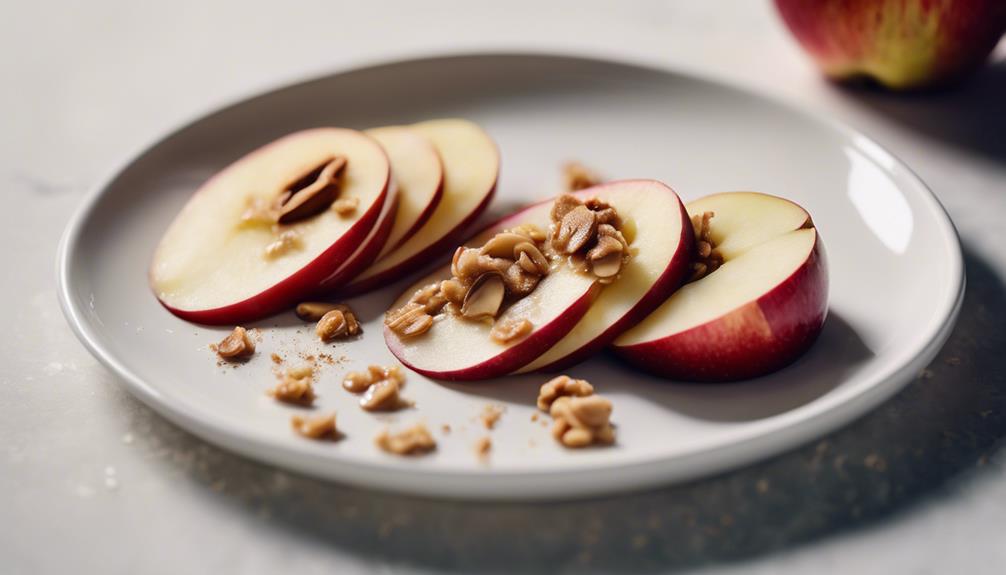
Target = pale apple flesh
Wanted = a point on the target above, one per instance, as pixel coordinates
(756, 313)
(662, 244)
(210, 266)
(471, 165)
(418, 174)
(460, 349)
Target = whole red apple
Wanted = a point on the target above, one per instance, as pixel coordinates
(899, 43)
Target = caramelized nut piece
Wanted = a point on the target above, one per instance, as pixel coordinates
(284, 243)
(410, 320)
(415, 440)
(575, 229)
(528, 251)
(236, 346)
(606, 258)
(453, 291)
(332, 325)
(564, 204)
(384, 396)
(531, 232)
(484, 297)
(430, 297)
(520, 282)
(318, 427)
(483, 446)
(562, 386)
(581, 421)
(295, 387)
(502, 245)
(312, 193)
(345, 206)
(507, 330)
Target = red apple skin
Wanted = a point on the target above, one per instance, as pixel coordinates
(757, 338)
(427, 212)
(289, 291)
(668, 282)
(422, 259)
(902, 44)
(365, 256)
(514, 357)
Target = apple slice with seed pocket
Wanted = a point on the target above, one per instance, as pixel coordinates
(267, 229)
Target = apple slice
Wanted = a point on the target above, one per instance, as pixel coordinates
(759, 311)
(471, 165)
(418, 174)
(460, 349)
(217, 265)
(662, 245)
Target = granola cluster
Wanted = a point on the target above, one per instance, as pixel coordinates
(590, 233)
(580, 417)
(483, 282)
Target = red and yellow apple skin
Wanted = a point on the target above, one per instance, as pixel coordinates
(902, 44)
(754, 339)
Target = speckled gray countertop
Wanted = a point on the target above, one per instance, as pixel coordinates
(92, 481)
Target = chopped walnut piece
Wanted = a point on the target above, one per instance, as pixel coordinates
(295, 387)
(707, 259)
(562, 386)
(430, 297)
(285, 242)
(236, 346)
(415, 440)
(576, 176)
(491, 414)
(610, 253)
(483, 446)
(345, 206)
(338, 323)
(381, 387)
(509, 330)
(582, 421)
(318, 427)
(410, 320)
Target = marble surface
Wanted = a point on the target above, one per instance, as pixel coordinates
(93, 481)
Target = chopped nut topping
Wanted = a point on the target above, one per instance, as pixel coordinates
(313, 192)
(336, 323)
(415, 440)
(508, 330)
(285, 242)
(575, 229)
(707, 259)
(381, 387)
(259, 212)
(345, 206)
(484, 297)
(236, 346)
(576, 176)
(530, 231)
(590, 233)
(490, 415)
(409, 320)
(318, 427)
(295, 387)
(562, 386)
(483, 446)
(503, 245)
(582, 421)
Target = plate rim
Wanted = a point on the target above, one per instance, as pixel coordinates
(787, 431)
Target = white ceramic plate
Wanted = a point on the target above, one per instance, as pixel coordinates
(895, 263)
